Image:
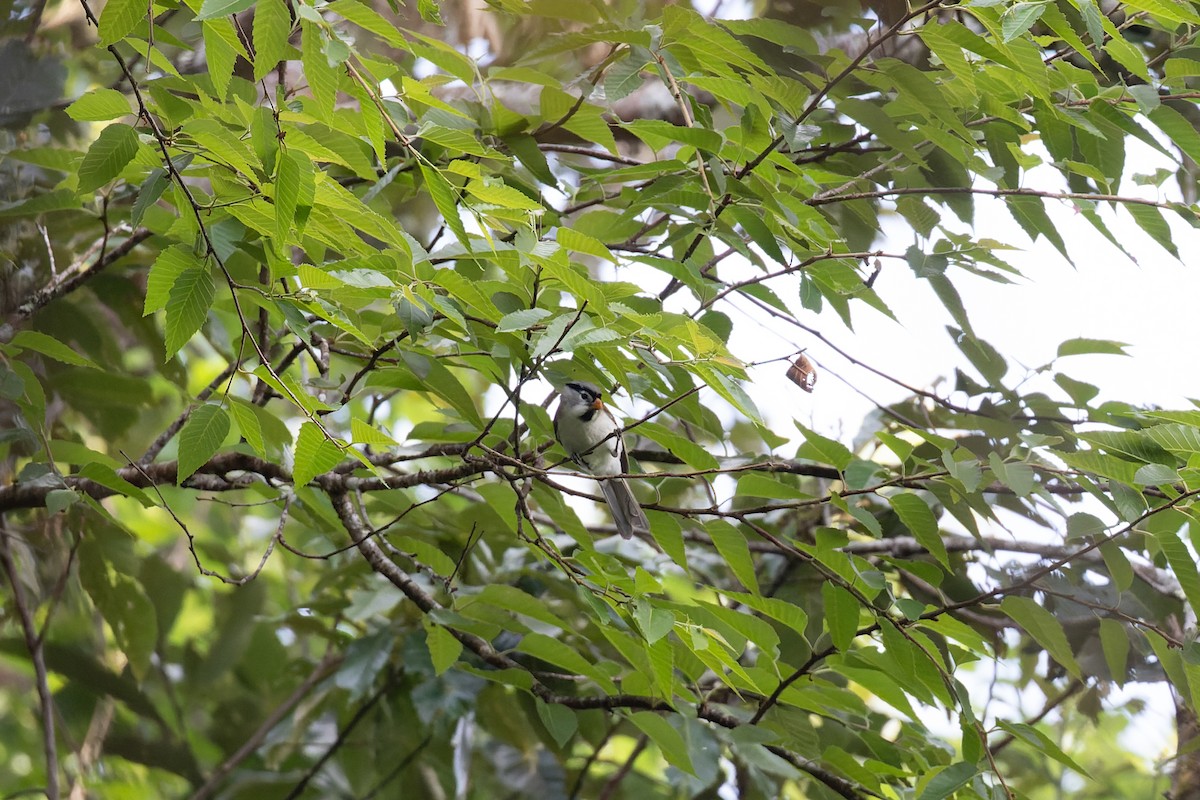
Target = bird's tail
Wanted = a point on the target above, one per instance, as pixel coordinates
(627, 513)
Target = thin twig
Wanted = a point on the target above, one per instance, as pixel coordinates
(37, 655)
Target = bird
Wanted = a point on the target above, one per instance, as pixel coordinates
(591, 436)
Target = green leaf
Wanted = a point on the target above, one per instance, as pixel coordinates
(295, 187)
(510, 598)
(272, 27)
(1082, 346)
(559, 720)
(668, 740)
(1183, 440)
(119, 18)
(432, 13)
(99, 105)
(1044, 628)
(731, 544)
(1182, 564)
(362, 433)
(521, 320)
(1042, 743)
(1082, 524)
(1179, 129)
(188, 302)
(321, 77)
(221, 50)
(948, 780)
(500, 194)
(314, 455)
(427, 554)
(121, 600)
(693, 455)
(248, 424)
(115, 147)
(1151, 220)
(560, 654)
(200, 437)
(1156, 475)
(1114, 639)
(49, 346)
(1019, 18)
(166, 269)
(444, 648)
(1016, 475)
(445, 198)
(222, 8)
(919, 518)
(654, 622)
(823, 450)
(152, 189)
(841, 615)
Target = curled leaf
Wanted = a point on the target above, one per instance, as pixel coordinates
(803, 373)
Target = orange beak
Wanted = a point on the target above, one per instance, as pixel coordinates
(598, 404)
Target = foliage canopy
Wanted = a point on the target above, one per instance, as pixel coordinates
(283, 512)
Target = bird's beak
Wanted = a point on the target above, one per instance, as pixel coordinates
(598, 404)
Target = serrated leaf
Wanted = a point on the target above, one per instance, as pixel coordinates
(295, 188)
(583, 243)
(668, 740)
(1182, 564)
(152, 189)
(99, 105)
(1019, 18)
(445, 197)
(693, 454)
(444, 648)
(221, 50)
(115, 147)
(500, 194)
(1083, 346)
(188, 303)
(1044, 628)
(118, 19)
(732, 546)
(362, 433)
(105, 475)
(222, 8)
(919, 518)
(51, 347)
(1082, 524)
(1181, 439)
(654, 622)
(521, 320)
(200, 437)
(510, 598)
(321, 77)
(1042, 743)
(1016, 475)
(272, 26)
(948, 780)
(1179, 129)
(559, 720)
(841, 615)
(248, 425)
(823, 450)
(314, 455)
(1156, 475)
(166, 269)
(431, 12)
(1114, 640)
